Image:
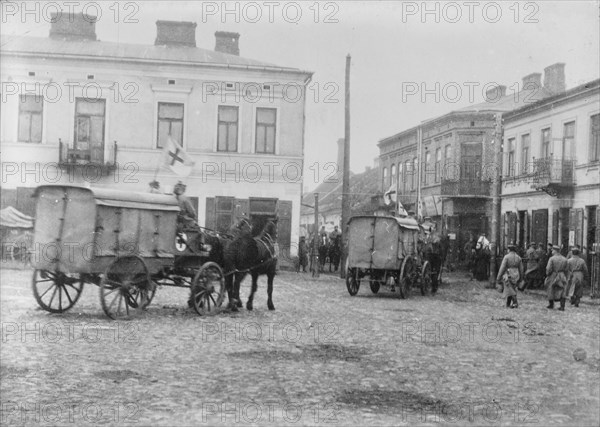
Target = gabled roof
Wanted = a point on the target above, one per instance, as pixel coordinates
(90, 49)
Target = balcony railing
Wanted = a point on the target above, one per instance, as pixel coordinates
(551, 171)
(465, 187)
(69, 157)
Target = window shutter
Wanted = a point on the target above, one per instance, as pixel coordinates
(555, 227)
(210, 213)
(579, 227)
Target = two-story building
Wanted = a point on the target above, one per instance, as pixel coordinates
(551, 174)
(83, 111)
(454, 170)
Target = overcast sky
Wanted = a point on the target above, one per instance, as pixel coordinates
(393, 44)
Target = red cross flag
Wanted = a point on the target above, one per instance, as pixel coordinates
(176, 159)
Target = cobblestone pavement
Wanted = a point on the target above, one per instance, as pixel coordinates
(323, 357)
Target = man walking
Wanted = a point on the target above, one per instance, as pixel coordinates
(578, 275)
(511, 273)
(532, 266)
(556, 278)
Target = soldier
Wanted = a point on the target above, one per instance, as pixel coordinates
(187, 214)
(302, 254)
(543, 261)
(532, 266)
(578, 275)
(511, 273)
(556, 278)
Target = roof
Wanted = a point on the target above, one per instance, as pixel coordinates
(13, 218)
(362, 187)
(50, 47)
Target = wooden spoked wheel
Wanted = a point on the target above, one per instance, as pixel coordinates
(126, 288)
(208, 289)
(352, 282)
(55, 291)
(426, 278)
(406, 279)
(375, 286)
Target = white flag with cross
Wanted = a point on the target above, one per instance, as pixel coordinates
(176, 159)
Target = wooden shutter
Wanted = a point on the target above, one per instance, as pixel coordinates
(210, 221)
(539, 226)
(597, 239)
(579, 227)
(504, 231)
(284, 227)
(512, 228)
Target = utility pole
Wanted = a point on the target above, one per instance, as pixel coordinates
(418, 171)
(316, 241)
(346, 176)
(496, 208)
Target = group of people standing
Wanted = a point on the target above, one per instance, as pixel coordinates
(329, 244)
(477, 256)
(564, 277)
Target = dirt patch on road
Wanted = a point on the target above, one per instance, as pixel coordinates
(389, 401)
(317, 352)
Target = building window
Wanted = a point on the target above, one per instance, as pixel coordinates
(393, 174)
(595, 138)
(568, 141)
(30, 118)
(400, 173)
(546, 153)
(427, 166)
(170, 123)
(438, 164)
(384, 178)
(228, 129)
(525, 150)
(265, 130)
(510, 170)
(415, 169)
(89, 125)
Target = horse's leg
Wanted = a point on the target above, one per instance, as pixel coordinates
(238, 283)
(252, 291)
(270, 276)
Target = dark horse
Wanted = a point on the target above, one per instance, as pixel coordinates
(334, 253)
(254, 255)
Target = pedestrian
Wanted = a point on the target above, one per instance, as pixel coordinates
(302, 254)
(531, 273)
(556, 278)
(510, 275)
(432, 252)
(482, 258)
(543, 261)
(468, 252)
(578, 275)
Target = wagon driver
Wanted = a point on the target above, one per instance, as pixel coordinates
(187, 214)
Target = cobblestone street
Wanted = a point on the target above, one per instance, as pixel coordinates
(323, 357)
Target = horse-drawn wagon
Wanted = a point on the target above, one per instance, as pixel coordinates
(124, 242)
(383, 251)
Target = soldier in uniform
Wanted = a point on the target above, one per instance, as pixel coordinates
(187, 214)
(511, 273)
(432, 252)
(543, 261)
(578, 275)
(556, 278)
(531, 273)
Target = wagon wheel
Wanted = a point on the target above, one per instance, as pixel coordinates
(426, 278)
(56, 292)
(352, 283)
(375, 285)
(208, 288)
(406, 276)
(126, 287)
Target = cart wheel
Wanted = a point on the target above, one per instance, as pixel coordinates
(406, 277)
(208, 288)
(375, 285)
(126, 287)
(56, 292)
(426, 278)
(352, 283)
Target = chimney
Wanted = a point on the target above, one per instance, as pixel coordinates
(226, 42)
(532, 81)
(175, 33)
(72, 26)
(495, 94)
(554, 78)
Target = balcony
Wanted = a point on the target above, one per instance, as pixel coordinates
(554, 176)
(465, 188)
(70, 158)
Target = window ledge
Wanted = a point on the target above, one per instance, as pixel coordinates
(172, 88)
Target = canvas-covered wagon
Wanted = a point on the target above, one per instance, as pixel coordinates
(383, 250)
(124, 242)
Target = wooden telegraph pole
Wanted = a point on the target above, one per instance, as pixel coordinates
(496, 208)
(346, 176)
(315, 248)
